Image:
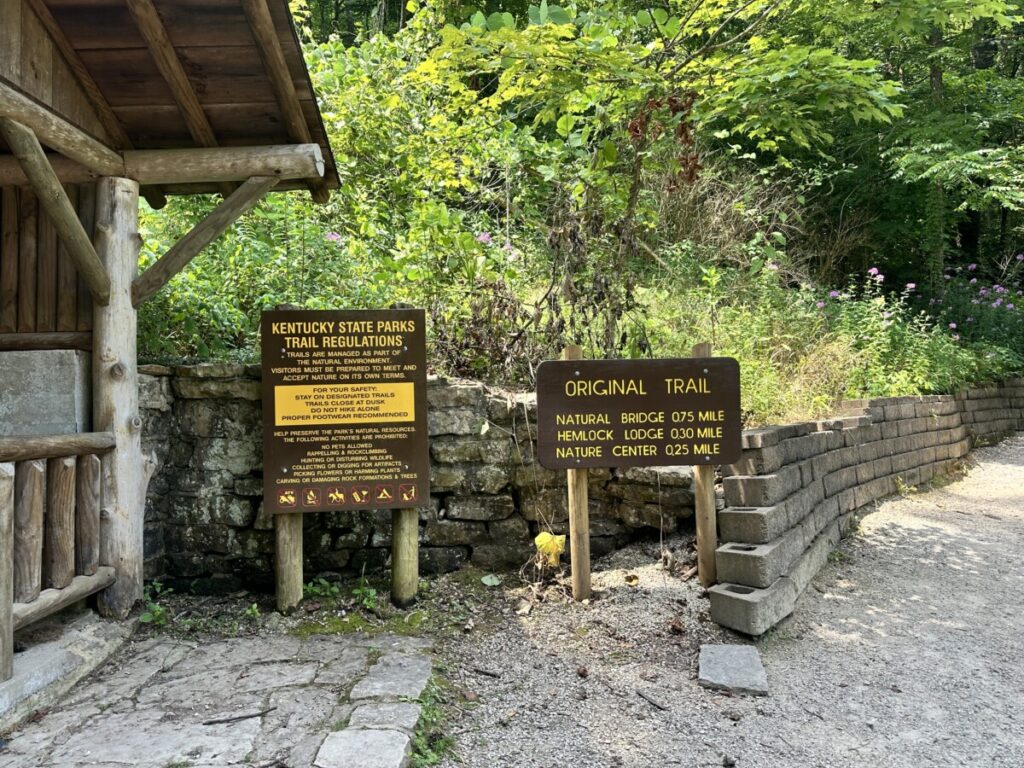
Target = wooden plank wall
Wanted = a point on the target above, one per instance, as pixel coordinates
(39, 286)
(30, 61)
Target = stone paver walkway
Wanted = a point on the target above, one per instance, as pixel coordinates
(269, 702)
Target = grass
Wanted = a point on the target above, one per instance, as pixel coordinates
(430, 742)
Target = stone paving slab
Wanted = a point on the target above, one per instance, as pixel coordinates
(268, 700)
(393, 715)
(395, 676)
(734, 668)
(357, 748)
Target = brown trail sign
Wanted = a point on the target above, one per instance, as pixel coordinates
(634, 413)
(345, 425)
(630, 413)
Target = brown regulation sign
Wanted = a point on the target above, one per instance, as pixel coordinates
(344, 410)
(636, 413)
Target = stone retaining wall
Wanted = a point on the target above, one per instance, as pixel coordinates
(795, 491)
(787, 502)
(205, 519)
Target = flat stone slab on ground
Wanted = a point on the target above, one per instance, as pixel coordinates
(358, 748)
(735, 668)
(164, 702)
(402, 716)
(395, 676)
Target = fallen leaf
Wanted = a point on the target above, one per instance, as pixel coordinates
(490, 580)
(550, 546)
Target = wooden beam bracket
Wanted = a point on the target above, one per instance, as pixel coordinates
(204, 233)
(269, 47)
(58, 134)
(55, 201)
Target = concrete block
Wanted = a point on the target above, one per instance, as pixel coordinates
(803, 502)
(882, 467)
(759, 565)
(756, 565)
(865, 471)
(754, 611)
(847, 500)
(761, 490)
(750, 610)
(45, 392)
(752, 525)
(844, 457)
(889, 430)
(756, 461)
(840, 480)
(904, 410)
(799, 448)
(825, 463)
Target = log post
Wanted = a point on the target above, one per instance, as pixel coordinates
(405, 556)
(87, 515)
(116, 395)
(6, 571)
(288, 560)
(704, 504)
(59, 536)
(29, 499)
(579, 515)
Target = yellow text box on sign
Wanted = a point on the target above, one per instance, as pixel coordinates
(314, 404)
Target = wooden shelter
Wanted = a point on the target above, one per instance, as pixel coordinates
(101, 101)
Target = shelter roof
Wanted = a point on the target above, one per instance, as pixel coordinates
(166, 74)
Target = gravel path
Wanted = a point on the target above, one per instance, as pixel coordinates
(906, 650)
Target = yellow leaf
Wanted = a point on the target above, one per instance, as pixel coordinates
(550, 546)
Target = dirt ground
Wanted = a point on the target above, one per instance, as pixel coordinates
(905, 651)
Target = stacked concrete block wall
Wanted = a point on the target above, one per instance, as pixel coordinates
(795, 491)
(205, 520)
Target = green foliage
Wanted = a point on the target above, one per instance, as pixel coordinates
(155, 613)
(430, 743)
(637, 179)
(366, 595)
(321, 589)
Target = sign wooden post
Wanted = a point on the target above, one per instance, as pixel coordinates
(704, 508)
(345, 428)
(579, 517)
(288, 560)
(405, 556)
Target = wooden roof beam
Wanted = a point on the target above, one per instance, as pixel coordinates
(161, 48)
(188, 166)
(204, 233)
(115, 130)
(57, 133)
(92, 91)
(269, 47)
(55, 202)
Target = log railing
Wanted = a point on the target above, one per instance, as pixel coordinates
(50, 509)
